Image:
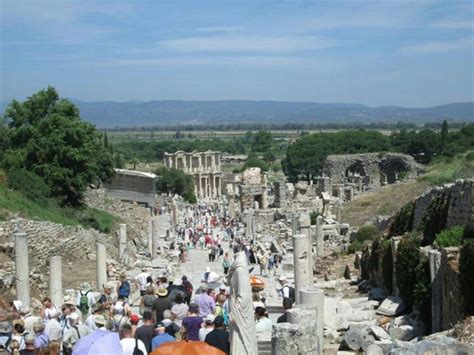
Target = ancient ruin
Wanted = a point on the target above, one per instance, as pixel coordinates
(205, 167)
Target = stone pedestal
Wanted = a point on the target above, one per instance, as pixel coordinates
(300, 257)
(313, 298)
(56, 280)
(22, 269)
(101, 266)
(122, 240)
(304, 222)
(319, 236)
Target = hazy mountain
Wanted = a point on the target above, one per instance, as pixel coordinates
(125, 114)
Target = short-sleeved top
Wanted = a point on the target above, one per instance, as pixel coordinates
(145, 333)
(219, 338)
(161, 339)
(192, 325)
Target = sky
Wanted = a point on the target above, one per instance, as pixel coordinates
(408, 53)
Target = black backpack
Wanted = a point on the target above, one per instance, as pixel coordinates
(136, 350)
(292, 295)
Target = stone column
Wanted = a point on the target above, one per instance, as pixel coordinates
(122, 240)
(249, 218)
(313, 298)
(154, 237)
(436, 291)
(150, 237)
(101, 266)
(338, 211)
(319, 236)
(394, 245)
(56, 280)
(200, 186)
(294, 223)
(22, 269)
(300, 260)
(342, 198)
(304, 222)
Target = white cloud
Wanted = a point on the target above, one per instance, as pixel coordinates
(246, 44)
(435, 47)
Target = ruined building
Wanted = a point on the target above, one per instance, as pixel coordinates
(205, 167)
(133, 186)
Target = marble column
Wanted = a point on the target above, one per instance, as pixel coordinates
(150, 237)
(294, 223)
(436, 291)
(122, 240)
(342, 198)
(394, 245)
(304, 222)
(22, 269)
(319, 236)
(56, 280)
(154, 237)
(101, 266)
(313, 298)
(200, 186)
(300, 261)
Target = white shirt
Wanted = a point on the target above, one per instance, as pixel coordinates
(53, 329)
(141, 279)
(263, 325)
(128, 345)
(203, 332)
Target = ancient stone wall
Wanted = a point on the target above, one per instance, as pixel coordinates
(451, 292)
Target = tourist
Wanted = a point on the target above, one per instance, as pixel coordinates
(74, 333)
(219, 337)
(226, 262)
(271, 264)
(161, 303)
(147, 301)
(161, 337)
(141, 281)
(286, 290)
(41, 339)
(170, 327)
(105, 299)
(128, 342)
(85, 299)
(29, 345)
(257, 300)
(287, 304)
(252, 259)
(179, 310)
(221, 310)
(206, 303)
(28, 318)
(191, 324)
(188, 289)
(48, 307)
(5, 333)
(263, 261)
(14, 348)
(263, 324)
(146, 332)
(18, 332)
(53, 328)
(208, 326)
(134, 320)
(121, 311)
(95, 310)
(100, 322)
(123, 286)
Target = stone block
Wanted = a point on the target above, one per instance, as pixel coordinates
(403, 332)
(379, 332)
(391, 306)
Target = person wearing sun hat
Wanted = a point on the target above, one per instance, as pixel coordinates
(208, 326)
(161, 337)
(161, 303)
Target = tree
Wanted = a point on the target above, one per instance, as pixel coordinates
(262, 141)
(174, 181)
(444, 131)
(269, 157)
(254, 162)
(48, 138)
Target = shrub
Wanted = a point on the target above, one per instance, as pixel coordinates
(403, 221)
(367, 232)
(469, 156)
(434, 219)
(408, 257)
(450, 237)
(28, 184)
(422, 290)
(466, 267)
(313, 215)
(387, 265)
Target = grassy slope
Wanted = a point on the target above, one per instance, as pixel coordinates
(389, 199)
(13, 202)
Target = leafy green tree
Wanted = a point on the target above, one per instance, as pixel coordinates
(255, 162)
(444, 131)
(262, 141)
(48, 138)
(174, 181)
(269, 157)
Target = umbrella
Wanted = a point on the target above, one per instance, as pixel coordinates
(186, 348)
(213, 285)
(98, 342)
(256, 283)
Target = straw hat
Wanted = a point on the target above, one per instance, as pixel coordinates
(162, 292)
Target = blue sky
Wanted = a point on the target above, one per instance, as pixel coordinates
(409, 53)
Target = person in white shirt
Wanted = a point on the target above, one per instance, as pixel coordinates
(263, 326)
(128, 342)
(53, 329)
(208, 326)
(141, 281)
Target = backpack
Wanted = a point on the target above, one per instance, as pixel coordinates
(223, 313)
(292, 295)
(84, 303)
(124, 289)
(136, 349)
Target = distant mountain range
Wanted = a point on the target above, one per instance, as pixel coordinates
(109, 114)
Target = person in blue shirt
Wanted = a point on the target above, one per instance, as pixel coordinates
(161, 338)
